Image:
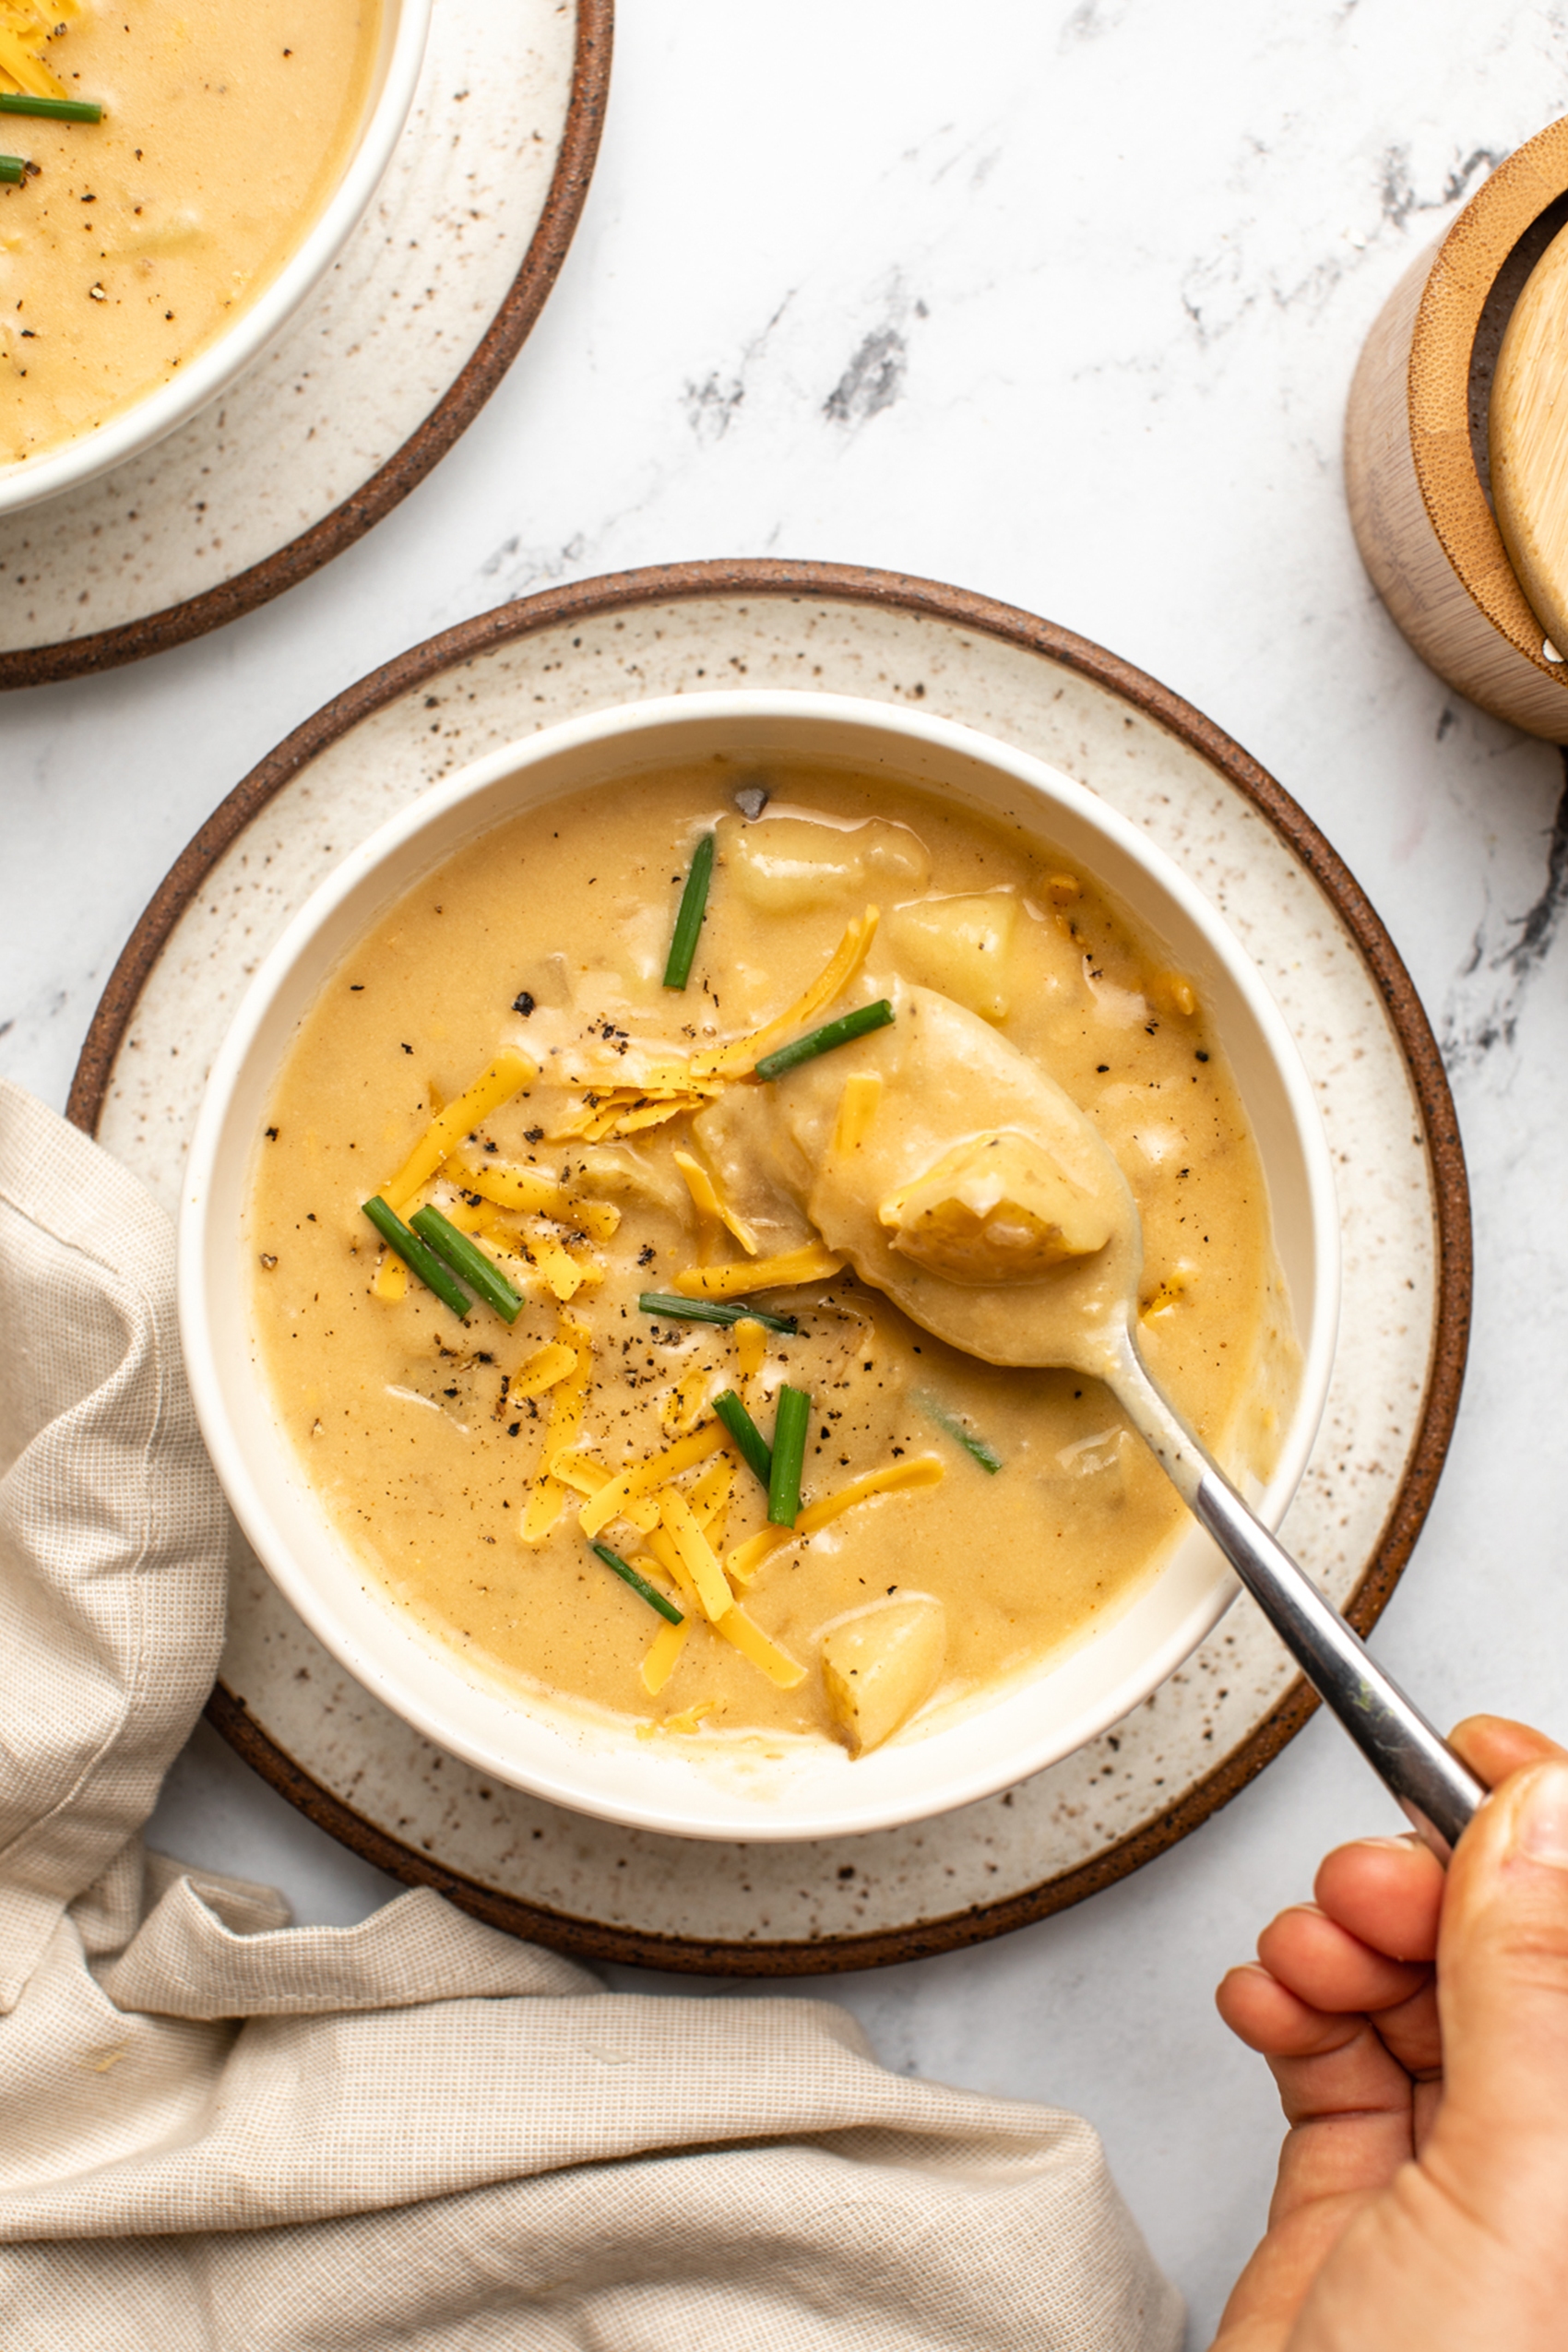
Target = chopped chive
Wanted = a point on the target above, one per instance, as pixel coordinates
(12, 170)
(416, 1257)
(936, 1411)
(688, 921)
(840, 1032)
(466, 1260)
(789, 1453)
(747, 1434)
(58, 109)
(639, 1585)
(724, 1311)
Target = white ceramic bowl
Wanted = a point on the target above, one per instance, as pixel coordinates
(682, 1787)
(405, 25)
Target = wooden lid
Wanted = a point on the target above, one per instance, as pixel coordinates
(1468, 264)
(1529, 443)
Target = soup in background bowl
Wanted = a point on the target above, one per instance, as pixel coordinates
(427, 1476)
(145, 258)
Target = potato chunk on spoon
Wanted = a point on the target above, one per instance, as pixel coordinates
(1013, 1236)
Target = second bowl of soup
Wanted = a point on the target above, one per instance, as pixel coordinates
(192, 170)
(538, 1377)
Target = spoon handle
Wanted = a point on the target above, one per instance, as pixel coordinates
(1434, 1789)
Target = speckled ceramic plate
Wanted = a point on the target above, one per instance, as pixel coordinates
(612, 1894)
(385, 367)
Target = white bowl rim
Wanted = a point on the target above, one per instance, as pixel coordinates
(605, 725)
(216, 366)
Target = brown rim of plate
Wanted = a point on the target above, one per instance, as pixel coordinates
(406, 467)
(659, 584)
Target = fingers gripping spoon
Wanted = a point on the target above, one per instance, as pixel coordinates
(1020, 1241)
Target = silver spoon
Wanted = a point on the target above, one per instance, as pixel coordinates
(1434, 1788)
(936, 1065)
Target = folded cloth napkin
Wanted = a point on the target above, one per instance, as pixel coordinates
(221, 2133)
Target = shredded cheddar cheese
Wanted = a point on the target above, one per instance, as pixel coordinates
(812, 1263)
(751, 1347)
(661, 1661)
(665, 1556)
(391, 1279)
(708, 1201)
(507, 1073)
(857, 1108)
(643, 1477)
(899, 1478)
(736, 1628)
(543, 1371)
(695, 1553)
(546, 1501)
(689, 1719)
(25, 27)
(566, 1398)
(739, 1058)
(533, 1194)
(563, 1272)
(683, 1404)
(710, 1494)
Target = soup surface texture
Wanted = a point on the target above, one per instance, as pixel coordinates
(227, 124)
(612, 1147)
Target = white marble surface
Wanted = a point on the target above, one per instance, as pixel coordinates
(1059, 302)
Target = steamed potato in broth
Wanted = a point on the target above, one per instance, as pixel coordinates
(133, 242)
(621, 1154)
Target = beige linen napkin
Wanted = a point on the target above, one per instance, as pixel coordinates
(221, 2133)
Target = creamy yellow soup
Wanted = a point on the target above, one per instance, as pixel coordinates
(132, 242)
(501, 1046)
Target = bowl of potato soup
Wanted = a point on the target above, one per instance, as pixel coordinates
(563, 1216)
(174, 181)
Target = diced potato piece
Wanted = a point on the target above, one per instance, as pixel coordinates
(785, 865)
(961, 946)
(880, 1664)
(995, 1209)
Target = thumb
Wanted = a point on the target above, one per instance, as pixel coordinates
(1501, 2134)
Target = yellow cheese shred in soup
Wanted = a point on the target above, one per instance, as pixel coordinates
(131, 242)
(636, 1440)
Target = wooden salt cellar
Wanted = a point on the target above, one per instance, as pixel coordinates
(1418, 459)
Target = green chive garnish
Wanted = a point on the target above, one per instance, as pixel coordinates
(938, 1412)
(688, 921)
(789, 1453)
(12, 169)
(417, 1257)
(58, 109)
(467, 1261)
(639, 1585)
(748, 1437)
(724, 1311)
(840, 1032)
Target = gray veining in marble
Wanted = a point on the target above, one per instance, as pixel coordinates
(1059, 300)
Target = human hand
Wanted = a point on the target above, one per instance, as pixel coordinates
(1417, 2025)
